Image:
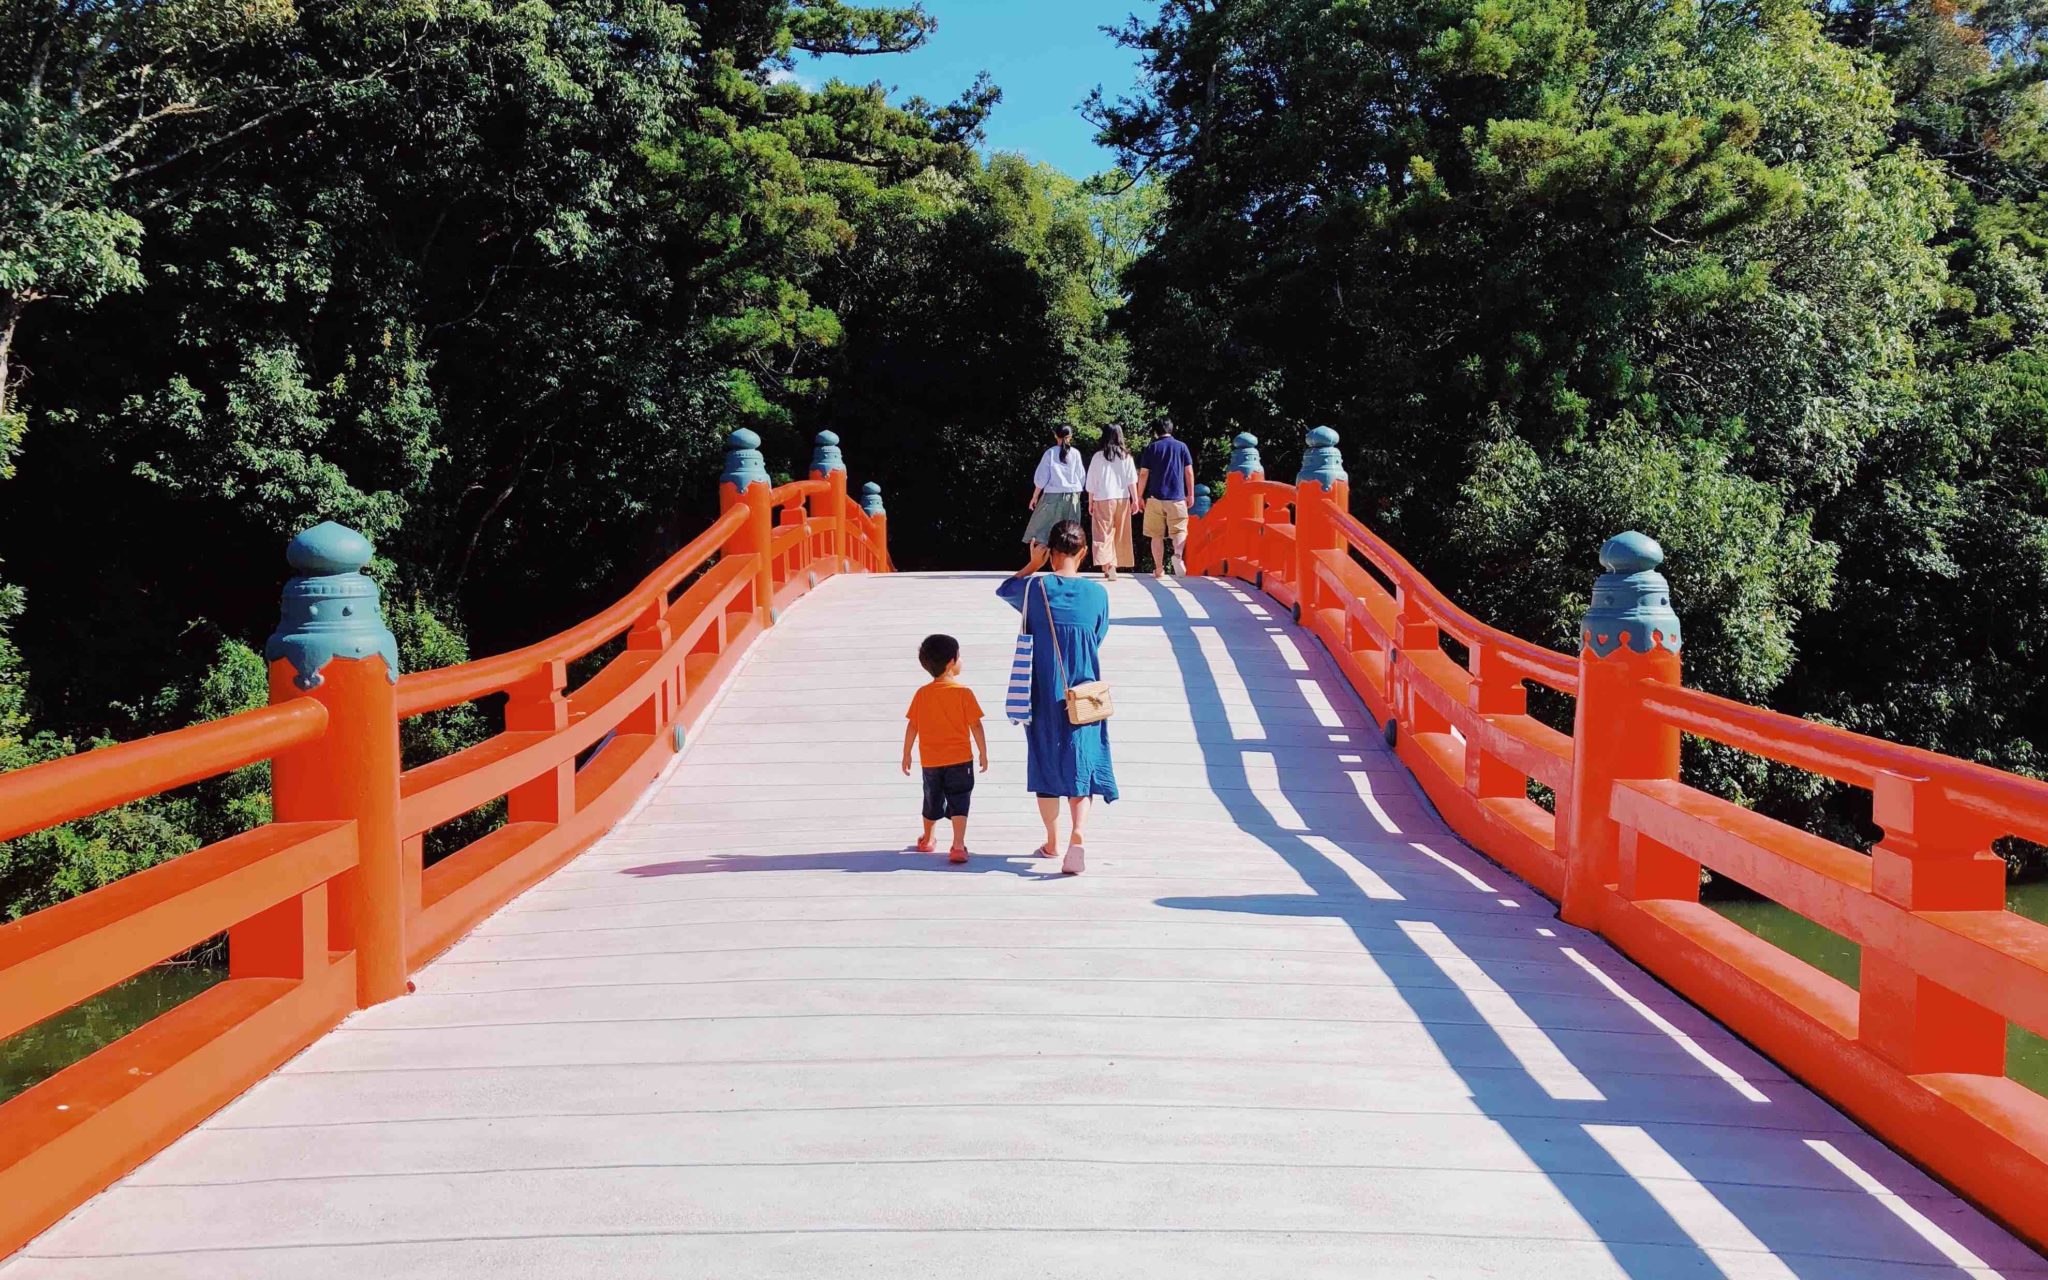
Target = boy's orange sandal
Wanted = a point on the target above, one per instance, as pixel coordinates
(925, 844)
(959, 854)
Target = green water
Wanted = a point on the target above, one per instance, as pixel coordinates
(56, 1042)
(2026, 1054)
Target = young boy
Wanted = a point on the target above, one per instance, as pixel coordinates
(943, 715)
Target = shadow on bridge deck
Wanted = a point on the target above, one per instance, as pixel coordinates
(1286, 1025)
(1753, 1178)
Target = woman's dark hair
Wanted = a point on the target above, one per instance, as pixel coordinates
(937, 653)
(1064, 433)
(1113, 446)
(1067, 538)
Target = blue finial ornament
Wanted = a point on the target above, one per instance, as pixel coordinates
(1244, 455)
(329, 609)
(1321, 462)
(871, 499)
(1202, 500)
(825, 456)
(743, 463)
(1631, 601)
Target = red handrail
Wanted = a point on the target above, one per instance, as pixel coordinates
(58, 791)
(347, 822)
(423, 691)
(1554, 669)
(1917, 1052)
(1997, 796)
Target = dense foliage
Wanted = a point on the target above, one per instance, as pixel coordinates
(489, 280)
(1763, 280)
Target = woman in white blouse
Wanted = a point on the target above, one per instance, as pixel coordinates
(1112, 486)
(1056, 494)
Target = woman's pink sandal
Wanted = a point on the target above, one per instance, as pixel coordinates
(1076, 862)
(1046, 850)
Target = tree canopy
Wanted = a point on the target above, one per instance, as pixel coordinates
(1761, 279)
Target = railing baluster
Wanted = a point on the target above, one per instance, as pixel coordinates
(1415, 631)
(797, 558)
(1933, 857)
(650, 633)
(1496, 690)
(536, 703)
(287, 941)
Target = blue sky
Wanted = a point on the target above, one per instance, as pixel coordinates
(1046, 55)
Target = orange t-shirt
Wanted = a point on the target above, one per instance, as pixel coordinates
(944, 713)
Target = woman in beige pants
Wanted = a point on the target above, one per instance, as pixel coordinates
(1112, 486)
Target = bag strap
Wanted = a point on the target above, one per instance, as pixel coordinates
(1053, 633)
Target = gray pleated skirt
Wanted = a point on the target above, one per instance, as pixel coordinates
(1053, 508)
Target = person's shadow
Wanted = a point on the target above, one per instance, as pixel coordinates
(1585, 1065)
(851, 861)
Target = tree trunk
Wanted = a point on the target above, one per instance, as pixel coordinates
(11, 307)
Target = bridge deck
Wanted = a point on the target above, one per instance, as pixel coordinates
(1286, 1025)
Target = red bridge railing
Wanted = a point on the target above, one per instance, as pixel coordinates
(1916, 1050)
(328, 907)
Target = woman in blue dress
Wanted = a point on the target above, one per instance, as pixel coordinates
(1064, 760)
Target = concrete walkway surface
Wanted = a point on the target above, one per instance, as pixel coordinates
(1286, 1025)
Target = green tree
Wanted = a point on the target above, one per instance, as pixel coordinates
(976, 319)
(1499, 245)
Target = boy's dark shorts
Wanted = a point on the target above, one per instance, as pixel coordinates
(947, 790)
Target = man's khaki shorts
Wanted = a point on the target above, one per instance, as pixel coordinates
(1166, 519)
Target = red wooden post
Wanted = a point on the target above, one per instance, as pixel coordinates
(1274, 563)
(745, 480)
(1320, 485)
(1630, 637)
(1241, 535)
(871, 502)
(1415, 631)
(1201, 537)
(797, 558)
(536, 704)
(1496, 690)
(331, 643)
(842, 556)
(829, 465)
(1933, 857)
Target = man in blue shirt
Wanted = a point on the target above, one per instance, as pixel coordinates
(1166, 476)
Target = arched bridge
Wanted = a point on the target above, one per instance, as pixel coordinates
(1321, 1005)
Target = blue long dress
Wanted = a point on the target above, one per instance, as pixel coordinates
(1063, 759)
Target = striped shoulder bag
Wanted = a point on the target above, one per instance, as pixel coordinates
(1017, 702)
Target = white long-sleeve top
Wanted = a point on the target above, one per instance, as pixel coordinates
(1109, 480)
(1054, 476)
